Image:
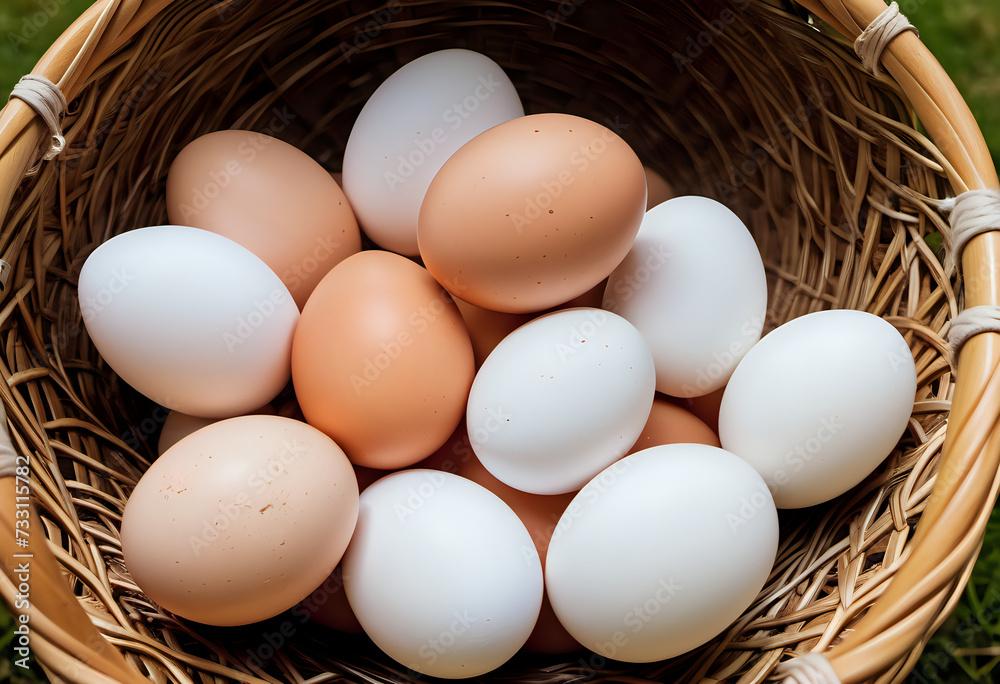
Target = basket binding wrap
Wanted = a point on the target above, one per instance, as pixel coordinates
(818, 156)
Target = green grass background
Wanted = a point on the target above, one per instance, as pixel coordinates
(965, 37)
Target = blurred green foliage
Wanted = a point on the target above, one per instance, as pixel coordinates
(967, 647)
(10, 670)
(963, 35)
(27, 29)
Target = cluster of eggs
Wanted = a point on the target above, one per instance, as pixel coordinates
(483, 437)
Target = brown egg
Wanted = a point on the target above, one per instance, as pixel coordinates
(592, 298)
(268, 196)
(328, 604)
(288, 406)
(487, 328)
(381, 360)
(706, 407)
(668, 423)
(452, 454)
(532, 213)
(240, 520)
(658, 190)
(178, 425)
(540, 514)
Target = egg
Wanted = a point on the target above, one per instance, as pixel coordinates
(486, 328)
(240, 520)
(532, 213)
(592, 298)
(382, 361)
(442, 574)
(693, 283)
(705, 407)
(327, 605)
(179, 425)
(819, 403)
(671, 424)
(539, 514)
(190, 319)
(559, 399)
(661, 552)
(268, 196)
(452, 455)
(409, 127)
(658, 190)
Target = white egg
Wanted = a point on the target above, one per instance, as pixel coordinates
(661, 552)
(559, 399)
(819, 403)
(442, 574)
(693, 284)
(190, 319)
(409, 127)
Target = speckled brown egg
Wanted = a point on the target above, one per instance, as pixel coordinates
(240, 520)
(532, 212)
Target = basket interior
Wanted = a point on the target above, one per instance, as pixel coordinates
(745, 102)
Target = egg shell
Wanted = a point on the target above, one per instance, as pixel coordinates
(559, 399)
(178, 425)
(190, 319)
(452, 455)
(693, 283)
(819, 403)
(328, 604)
(268, 196)
(382, 361)
(539, 515)
(532, 213)
(442, 574)
(409, 127)
(592, 298)
(705, 407)
(658, 190)
(661, 552)
(671, 424)
(486, 328)
(240, 520)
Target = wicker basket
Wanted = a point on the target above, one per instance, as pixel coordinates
(761, 104)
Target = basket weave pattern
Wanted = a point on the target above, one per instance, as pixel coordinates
(746, 102)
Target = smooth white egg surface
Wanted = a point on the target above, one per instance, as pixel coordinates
(559, 399)
(190, 319)
(661, 552)
(693, 284)
(441, 574)
(819, 403)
